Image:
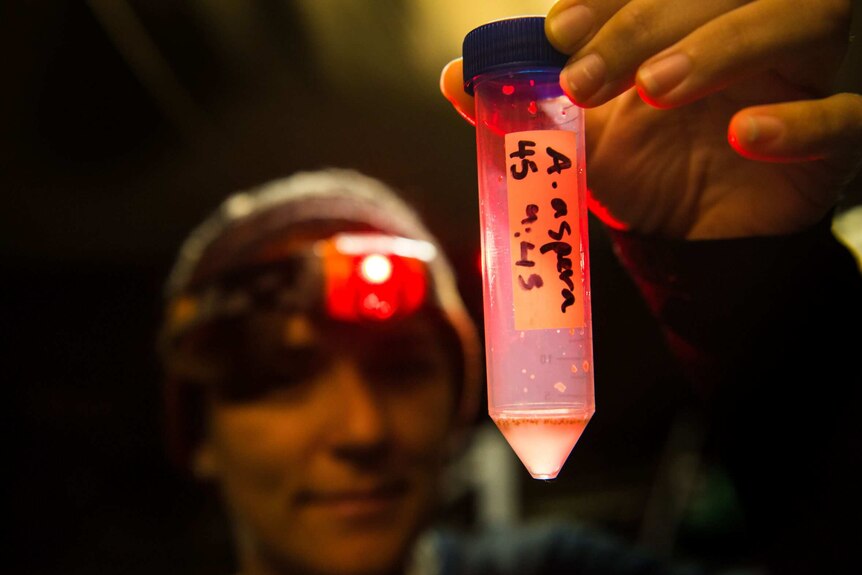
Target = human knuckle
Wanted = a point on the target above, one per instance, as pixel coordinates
(636, 24)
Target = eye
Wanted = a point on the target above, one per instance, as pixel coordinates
(406, 361)
(405, 367)
(285, 375)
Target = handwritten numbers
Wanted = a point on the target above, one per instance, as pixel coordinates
(527, 166)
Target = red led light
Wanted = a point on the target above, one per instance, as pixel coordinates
(375, 268)
(371, 286)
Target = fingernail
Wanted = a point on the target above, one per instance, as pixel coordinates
(661, 77)
(568, 28)
(585, 77)
(763, 129)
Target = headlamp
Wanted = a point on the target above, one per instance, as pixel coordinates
(373, 277)
(349, 277)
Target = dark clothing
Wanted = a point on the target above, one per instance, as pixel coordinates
(769, 331)
(545, 549)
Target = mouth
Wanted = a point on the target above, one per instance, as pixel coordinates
(357, 503)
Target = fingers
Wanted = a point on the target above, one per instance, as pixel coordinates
(829, 128)
(679, 51)
(570, 24)
(619, 37)
(452, 87)
(758, 37)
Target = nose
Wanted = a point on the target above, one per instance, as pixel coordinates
(360, 422)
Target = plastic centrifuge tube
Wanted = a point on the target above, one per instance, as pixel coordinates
(535, 258)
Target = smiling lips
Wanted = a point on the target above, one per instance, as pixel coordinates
(355, 503)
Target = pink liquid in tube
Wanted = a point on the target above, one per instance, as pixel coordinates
(535, 250)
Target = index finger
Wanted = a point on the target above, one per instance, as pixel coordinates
(452, 87)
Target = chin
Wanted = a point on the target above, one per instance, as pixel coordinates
(374, 565)
(358, 558)
(373, 550)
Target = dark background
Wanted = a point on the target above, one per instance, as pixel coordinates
(124, 124)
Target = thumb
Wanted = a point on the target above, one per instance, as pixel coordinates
(452, 87)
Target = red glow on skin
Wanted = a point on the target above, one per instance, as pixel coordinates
(735, 138)
(651, 101)
(601, 212)
(466, 115)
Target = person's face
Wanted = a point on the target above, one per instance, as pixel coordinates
(332, 464)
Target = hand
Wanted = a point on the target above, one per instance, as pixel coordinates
(707, 119)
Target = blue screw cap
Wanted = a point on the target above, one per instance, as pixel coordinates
(510, 42)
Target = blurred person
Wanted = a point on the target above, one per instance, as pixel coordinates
(718, 147)
(717, 192)
(322, 372)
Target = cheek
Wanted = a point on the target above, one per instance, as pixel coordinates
(257, 450)
(422, 421)
(254, 448)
